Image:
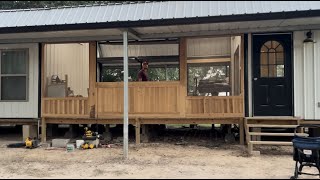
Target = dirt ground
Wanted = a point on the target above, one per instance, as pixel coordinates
(197, 160)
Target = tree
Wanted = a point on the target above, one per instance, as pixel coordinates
(50, 4)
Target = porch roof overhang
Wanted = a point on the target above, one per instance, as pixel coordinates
(157, 32)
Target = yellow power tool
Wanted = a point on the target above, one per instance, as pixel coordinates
(87, 146)
(31, 143)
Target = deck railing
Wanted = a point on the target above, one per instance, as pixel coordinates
(215, 106)
(65, 107)
(148, 98)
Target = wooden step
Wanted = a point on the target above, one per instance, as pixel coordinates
(273, 118)
(270, 126)
(271, 143)
(276, 134)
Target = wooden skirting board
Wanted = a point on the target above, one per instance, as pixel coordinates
(144, 121)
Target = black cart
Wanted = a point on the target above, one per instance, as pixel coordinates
(306, 151)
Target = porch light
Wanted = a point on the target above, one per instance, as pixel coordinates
(309, 38)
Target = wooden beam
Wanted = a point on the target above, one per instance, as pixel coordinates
(183, 75)
(276, 134)
(92, 78)
(213, 60)
(242, 75)
(272, 143)
(310, 122)
(271, 126)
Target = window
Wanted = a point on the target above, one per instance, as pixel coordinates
(272, 60)
(13, 75)
(208, 79)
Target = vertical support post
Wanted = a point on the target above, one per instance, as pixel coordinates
(183, 75)
(43, 130)
(92, 79)
(138, 139)
(241, 129)
(125, 93)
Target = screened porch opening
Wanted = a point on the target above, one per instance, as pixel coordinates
(66, 80)
(162, 56)
(214, 66)
(214, 77)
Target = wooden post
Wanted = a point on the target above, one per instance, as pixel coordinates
(92, 78)
(43, 130)
(183, 75)
(138, 138)
(241, 129)
(250, 148)
(242, 66)
(247, 130)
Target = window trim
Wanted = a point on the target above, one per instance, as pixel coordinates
(17, 75)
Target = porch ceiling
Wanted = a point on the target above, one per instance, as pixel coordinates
(166, 31)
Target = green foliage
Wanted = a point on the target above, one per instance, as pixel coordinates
(49, 4)
(154, 74)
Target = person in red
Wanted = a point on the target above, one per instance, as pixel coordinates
(143, 74)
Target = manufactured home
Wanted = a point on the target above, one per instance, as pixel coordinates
(250, 63)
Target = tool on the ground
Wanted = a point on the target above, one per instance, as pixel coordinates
(29, 143)
(87, 145)
(89, 137)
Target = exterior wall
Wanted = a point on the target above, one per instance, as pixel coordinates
(306, 77)
(204, 47)
(70, 59)
(27, 109)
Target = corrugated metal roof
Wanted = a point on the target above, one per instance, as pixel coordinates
(146, 11)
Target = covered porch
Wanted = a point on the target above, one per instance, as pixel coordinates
(177, 100)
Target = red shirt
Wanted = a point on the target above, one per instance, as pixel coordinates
(143, 75)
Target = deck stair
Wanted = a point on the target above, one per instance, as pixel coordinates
(272, 126)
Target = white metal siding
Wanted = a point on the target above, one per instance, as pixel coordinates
(306, 77)
(27, 109)
(70, 59)
(219, 46)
